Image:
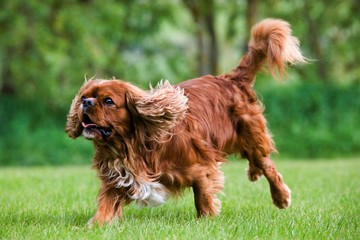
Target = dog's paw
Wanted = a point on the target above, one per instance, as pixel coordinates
(254, 174)
(282, 197)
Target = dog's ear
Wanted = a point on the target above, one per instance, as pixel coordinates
(73, 124)
(155, 112)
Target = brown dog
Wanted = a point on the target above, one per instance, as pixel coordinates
(150, 145)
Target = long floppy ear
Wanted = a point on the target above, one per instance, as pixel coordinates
(73, 124)
(158, 110)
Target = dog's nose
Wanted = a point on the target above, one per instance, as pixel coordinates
(87, 103)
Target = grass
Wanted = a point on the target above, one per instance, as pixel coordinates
(56, 203)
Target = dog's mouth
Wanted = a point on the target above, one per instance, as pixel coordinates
(92, 130)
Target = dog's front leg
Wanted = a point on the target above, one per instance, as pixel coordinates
(110, 203)
(205, 188)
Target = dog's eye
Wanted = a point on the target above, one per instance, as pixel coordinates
(108, 101)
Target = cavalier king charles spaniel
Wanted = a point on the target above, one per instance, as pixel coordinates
(150, 145)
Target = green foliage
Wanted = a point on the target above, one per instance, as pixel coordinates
(47, 47)
(314, 120)
(32, 134)
(57, 202)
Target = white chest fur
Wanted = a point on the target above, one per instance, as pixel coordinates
(145, 193)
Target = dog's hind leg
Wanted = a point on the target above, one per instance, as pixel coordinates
(280, 192)
(256, 145)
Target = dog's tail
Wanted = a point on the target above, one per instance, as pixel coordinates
(270, 41)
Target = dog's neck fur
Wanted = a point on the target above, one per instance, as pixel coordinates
(145, 191)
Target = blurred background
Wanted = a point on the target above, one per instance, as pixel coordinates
(47, 48)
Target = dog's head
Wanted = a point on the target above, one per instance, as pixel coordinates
(106, 110)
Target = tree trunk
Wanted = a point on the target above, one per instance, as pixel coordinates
(7, 87)
(313, 36)
(213, 47)
(251, 12)
(202, 13)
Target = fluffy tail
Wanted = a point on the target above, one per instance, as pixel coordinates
(271, 40)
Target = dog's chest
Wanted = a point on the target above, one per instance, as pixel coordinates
(144, 193)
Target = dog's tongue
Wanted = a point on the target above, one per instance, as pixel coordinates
(88, 125)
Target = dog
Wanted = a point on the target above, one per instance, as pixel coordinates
(150, 145)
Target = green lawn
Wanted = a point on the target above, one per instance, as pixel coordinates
(56, 203)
